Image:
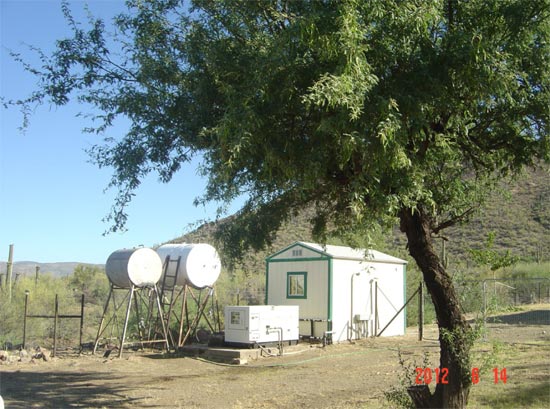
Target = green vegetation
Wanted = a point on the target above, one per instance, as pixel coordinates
(244, 282)
(41, 301)
(370, 113)
(526, 386)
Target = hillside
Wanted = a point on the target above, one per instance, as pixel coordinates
(28, 268)
(519, 214)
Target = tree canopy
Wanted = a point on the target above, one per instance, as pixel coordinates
(357, 108)
(367, 111)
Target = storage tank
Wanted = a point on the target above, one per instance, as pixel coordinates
(199, 266)
(140, 266)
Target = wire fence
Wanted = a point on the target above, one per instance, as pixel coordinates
(485, 298)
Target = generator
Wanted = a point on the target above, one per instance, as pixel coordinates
(261, 325)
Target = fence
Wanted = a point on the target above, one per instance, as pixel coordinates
(496, 295)
(55, 318)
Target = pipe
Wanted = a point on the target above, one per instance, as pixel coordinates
(351, 329)
(373, 306)
(279, 330)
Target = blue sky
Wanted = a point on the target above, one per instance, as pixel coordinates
(52, 201)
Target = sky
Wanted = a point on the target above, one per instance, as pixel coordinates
(52, 200)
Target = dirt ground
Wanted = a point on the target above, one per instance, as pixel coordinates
(308, 376)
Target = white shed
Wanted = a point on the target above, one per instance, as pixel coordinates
(347, 293)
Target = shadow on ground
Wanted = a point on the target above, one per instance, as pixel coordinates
(64, 390)
(535, 317)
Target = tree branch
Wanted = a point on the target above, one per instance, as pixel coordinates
(452, 221)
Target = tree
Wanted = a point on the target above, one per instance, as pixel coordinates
(492, 258)
(90, 281)
(369, 112)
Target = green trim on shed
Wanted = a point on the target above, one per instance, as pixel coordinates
(296, 244)
(266, 282)
(329, 308)
(281, 260)
(297, 274)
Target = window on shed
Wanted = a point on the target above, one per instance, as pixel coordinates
(296, 285)
(297, 253)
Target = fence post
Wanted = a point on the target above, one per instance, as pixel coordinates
(484, 302)
(420, 312)
(25, 319)
(81, 319)
(55, 318)
(9, 269)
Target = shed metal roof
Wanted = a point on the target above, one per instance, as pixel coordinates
(347, 253)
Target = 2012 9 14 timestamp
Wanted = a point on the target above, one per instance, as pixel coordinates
(426, 376)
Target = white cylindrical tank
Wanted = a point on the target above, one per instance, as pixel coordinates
(140, 266)
(199, 266)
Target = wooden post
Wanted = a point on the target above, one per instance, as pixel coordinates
(420, 312)
(37, 271)
(100, 329)
(25, 318)
(81, 319)
(55, 319)
(484, 302)
(9, 271)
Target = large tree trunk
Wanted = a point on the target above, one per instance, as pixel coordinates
(454, 331)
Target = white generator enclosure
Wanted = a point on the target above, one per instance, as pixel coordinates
(261, 324)
(343, 293)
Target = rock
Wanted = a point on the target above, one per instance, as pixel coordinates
(42, 353)
(25, 359)
(4, 355)
(12, 359)
(24, 356)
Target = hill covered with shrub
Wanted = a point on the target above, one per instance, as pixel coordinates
(518, 215)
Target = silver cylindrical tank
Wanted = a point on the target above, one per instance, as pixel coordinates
(199, 266)
(140, 266)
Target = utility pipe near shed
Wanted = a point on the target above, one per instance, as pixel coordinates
(279, 331)
(374, 307)
(351, 329)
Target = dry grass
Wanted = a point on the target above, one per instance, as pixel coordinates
(345, 376)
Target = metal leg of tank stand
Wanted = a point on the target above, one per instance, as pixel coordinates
(100, 330)
(195, 322)
(126, 321)
(164, 330)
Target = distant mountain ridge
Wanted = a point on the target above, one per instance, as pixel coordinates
(28, 268)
